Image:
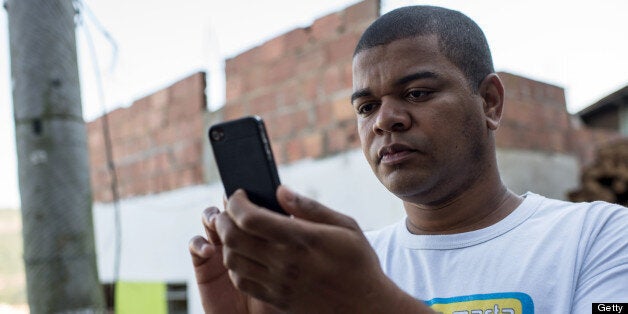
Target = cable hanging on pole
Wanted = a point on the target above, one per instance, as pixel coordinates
(79, 5)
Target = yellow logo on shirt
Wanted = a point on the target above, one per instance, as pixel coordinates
(494, 303)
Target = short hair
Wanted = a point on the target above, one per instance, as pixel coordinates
(460, 39)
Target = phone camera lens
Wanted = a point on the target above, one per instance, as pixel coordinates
(217, 135)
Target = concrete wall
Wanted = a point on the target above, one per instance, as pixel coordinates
(623, 120)
(550, 174)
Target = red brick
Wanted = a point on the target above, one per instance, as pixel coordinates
(277, 127)
(311, 88)
(342, 109)
(159, 99)
(326, 27)
(347, 77)
(362, 12)
(282, 71)
(151, 185)
(272, 50)
(154, 120)
(182, 89)
(242, 61)
(516, 113)
(93, 126)
(296, 40)
(313, 145)
(261, 104)
(332, 80)
(234, 110)
(187, 177)
(104, 195)
(351, 132)
(139, 106)
(324, 115)
(310, 62)
(335, 141)
(235, 87)
(150, 164)
(341, 48)
(342, 137)
(288, 95)
(161, 183)
(277, 147)
(189, 153)
(139, 171)
(257, 78)
(182, 131)
(116, 116)
(300, 120)
(287, 124)
(163, 162)
(507, 137)
(231, 66)
(162, 137)
(179, 110)
(294, 150)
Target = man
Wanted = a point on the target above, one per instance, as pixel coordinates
(427, 103)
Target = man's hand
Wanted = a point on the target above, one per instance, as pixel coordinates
(217, 292)
(316, 261)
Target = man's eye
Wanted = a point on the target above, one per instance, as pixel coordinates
(365, 108)
(418, 94)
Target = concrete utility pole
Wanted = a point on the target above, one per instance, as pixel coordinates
(53, 161)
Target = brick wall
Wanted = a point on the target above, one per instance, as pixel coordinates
(535, 116)
(300, 83)
(156, 142)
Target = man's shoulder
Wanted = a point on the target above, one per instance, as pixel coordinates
(590, 220)
(591, 211)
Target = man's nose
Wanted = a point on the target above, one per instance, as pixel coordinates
(392, 116)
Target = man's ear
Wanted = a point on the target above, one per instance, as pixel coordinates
(492, 93)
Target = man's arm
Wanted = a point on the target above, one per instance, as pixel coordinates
(316, 261)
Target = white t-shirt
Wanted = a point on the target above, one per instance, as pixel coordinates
(547, 256)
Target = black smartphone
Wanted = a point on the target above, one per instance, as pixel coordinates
(245, 160)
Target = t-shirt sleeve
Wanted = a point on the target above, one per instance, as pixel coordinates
(603, 277)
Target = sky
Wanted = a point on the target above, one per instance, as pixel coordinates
(577, 45)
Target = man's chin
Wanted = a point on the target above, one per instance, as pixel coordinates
(406, 188)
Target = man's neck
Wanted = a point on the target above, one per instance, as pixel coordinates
(476, 208)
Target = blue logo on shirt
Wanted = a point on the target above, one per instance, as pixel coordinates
(493, 303)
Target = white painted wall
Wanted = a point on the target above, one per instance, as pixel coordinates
(156, 228)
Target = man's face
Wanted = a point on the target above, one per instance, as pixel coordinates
(422, 128)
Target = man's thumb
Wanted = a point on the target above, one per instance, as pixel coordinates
(308, 209)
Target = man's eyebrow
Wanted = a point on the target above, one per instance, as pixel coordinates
(415, 76)
(365, 92)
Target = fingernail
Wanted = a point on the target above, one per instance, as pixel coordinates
(210, 213)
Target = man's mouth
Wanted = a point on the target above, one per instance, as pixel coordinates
(394, 153)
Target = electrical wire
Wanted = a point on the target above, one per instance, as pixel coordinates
(80, 7)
